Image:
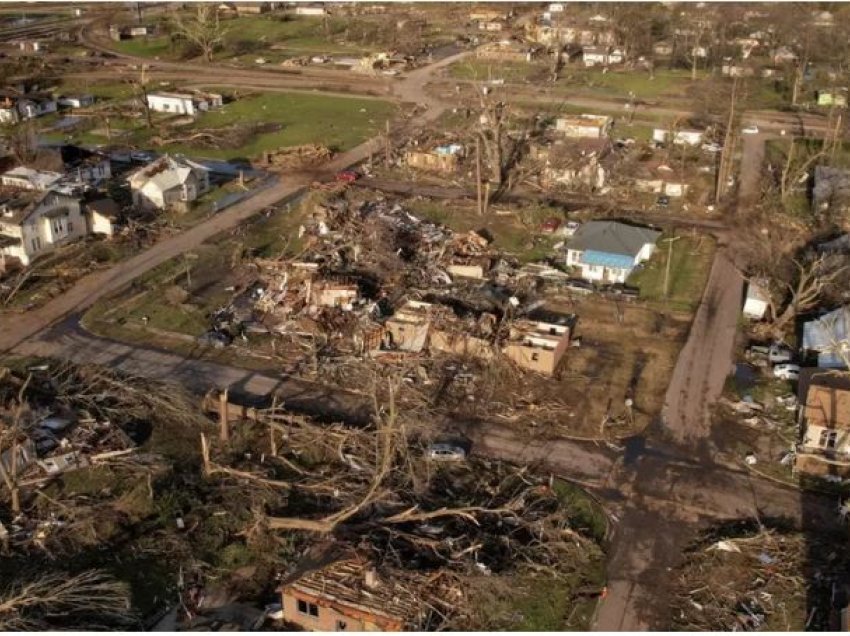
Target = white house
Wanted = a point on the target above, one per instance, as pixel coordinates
(589, 126)
(602, 55)
(183, 103)
(33, 223)
(168, 181)
(755, 304)
(608, 251)
(103, 216)
(308, 10)
(678, 137)
(29, 179)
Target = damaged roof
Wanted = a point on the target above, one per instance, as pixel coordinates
(395, 598)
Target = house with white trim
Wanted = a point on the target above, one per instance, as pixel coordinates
(168, 181)
(608, 251)
(33, 223)
(183, 103)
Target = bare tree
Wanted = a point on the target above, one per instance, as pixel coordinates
(10, 438)
(21, 140)
(203, 29)
(797, 284)
(91, 600)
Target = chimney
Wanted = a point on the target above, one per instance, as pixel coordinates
(370, 578)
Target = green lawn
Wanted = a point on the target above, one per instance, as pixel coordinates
(252, 36)
(689, 268)
(337, 122)
(666, 82)
(485, 70)
(621, 83)
(145, 47)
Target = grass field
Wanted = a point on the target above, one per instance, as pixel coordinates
(339, 123)
(253, 35)
(691, 262)
(666, 82)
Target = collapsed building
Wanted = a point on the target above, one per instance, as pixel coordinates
(377, 281)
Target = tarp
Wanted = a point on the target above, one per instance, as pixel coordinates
(823, 334)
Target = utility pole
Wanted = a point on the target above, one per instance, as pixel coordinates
(387, 146)
(669, 242)
(478, 175)
(728, 141)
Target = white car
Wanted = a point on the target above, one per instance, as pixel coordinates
(752, 129)
(786, 371)
(446, 452)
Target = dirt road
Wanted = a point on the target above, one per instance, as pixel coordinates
(15, 329)
(659, 479)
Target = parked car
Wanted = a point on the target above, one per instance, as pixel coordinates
(347, 176)
(579, 286)
(663, 201)
(621, 289)
(777, 354)
(752, 129)
(570, 227)
(446, 452)
(712, 147)
(786, 371)
(549, 226)
(216, 339)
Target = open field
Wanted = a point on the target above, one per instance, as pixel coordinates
(289, 119)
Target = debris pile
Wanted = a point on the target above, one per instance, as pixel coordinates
(745, 578)
(297, 157)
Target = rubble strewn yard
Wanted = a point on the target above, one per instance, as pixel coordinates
(746, 577)
(367, 246)
(128, 485)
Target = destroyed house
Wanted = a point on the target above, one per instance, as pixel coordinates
(573, 164)
(592, 126)
(75, 163)
(508, 51)
(168, 181)
(538, 342)
(409, 326)
(824, 399)
(831, 190)
(30, 179)
(828, 336)
(417, 326)
(351, 595)
(445, 159)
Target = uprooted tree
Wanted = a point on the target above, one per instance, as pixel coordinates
(369, 487)
(91, 600)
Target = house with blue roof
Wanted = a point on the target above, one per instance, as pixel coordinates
(608, 251)
(828, 336)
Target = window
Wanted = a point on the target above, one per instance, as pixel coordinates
(70, 226)
(34, 245)
(553, 331)
(341, 626)
(535, 357)
(308, 608)
(828, 439)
